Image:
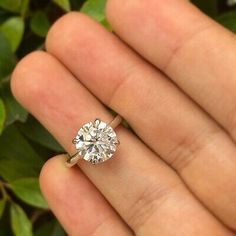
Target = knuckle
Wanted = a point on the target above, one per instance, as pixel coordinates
(183, 153)
(185, 43)
(147, 204)
(191, 147)
(124, 81)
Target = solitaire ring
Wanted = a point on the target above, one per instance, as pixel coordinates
(95, 142)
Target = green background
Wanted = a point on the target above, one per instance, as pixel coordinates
(24, 144)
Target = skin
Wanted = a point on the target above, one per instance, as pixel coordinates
(169, 70)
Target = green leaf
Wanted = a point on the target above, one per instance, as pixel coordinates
(33, 130)
(24, 7)
(106, 24)
(28, 190)
(2, 206)
(40, 24)
(7, 58)
(3, 16)
(210, 7)
(228, 20)
(20, 223)
(51, 228)
(58, 230)
(14, 111)
(63, 4)
(17, 158)
(5, 227)
(13, 30)
(2, 115)
(11, 169)
(10, 5)
(75, 4)
(95, 9)
(45, 229)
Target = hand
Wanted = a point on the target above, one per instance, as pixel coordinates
(170, 72)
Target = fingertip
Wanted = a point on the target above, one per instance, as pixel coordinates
(52, 173)
(26, 80)
(54, 179)
(63, 30)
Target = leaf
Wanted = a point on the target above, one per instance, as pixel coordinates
(33, 130)
(11, 169)
(3, 15)
(51, 228)
(95, 9)
(24, 7)
(10, 5)
(7, 58)
(2, 115)
(5, 227)
(45, 229)
(58, 230)
(228, 20)
(20, 223)
(28, 190)
(14, 111)
(210, 7)
(106, 24)
(2, 206)
(63, 4)
(17, 158)
(75, 4)
(13, 30)
(40, 24)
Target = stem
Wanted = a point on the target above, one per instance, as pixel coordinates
(3, 190)
(5, 195)
(37, 214)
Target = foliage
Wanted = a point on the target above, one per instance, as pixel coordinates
(24, 144)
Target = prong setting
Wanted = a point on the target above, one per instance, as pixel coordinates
(74, 141)
(96, 142)
(96, 122)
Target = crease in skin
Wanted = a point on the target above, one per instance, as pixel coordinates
(190, 147)
(148, 202)
(166, 66)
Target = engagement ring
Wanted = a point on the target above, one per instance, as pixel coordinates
(95, 142)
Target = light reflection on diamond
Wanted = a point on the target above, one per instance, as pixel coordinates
(96, 142)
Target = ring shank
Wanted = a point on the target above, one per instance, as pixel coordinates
(72, 159)
(115, 122)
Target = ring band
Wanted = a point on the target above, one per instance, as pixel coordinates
(95, 142)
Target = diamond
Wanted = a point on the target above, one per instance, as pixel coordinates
(96, 141)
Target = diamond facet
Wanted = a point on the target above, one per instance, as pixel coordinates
(96, 141)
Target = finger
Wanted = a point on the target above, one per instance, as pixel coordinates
(167, 120)
(197, 53)
(77, 204)
(141, 187)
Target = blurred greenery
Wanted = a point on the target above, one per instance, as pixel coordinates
(24, 144)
